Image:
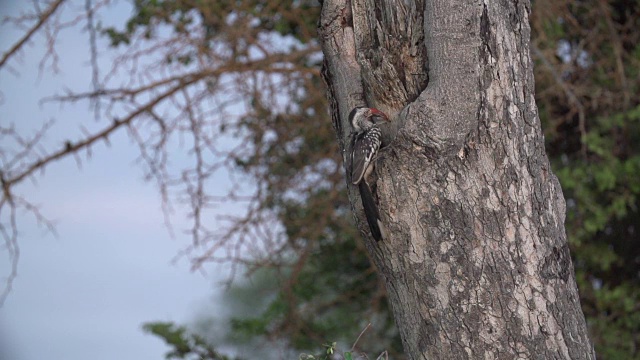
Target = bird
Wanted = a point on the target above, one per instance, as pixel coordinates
(366, 141)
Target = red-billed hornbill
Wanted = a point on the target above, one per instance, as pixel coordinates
(366, 140)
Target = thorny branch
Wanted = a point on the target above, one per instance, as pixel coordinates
(42, 19)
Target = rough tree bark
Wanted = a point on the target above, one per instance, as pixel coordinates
(477, 263)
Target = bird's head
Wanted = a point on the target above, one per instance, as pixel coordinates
(362, 118)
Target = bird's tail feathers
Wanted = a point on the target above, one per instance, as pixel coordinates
(371, 212)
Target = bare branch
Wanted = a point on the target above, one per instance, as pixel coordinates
(41, 21)
(72, 148)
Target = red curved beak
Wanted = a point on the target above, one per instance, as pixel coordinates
(378, 113)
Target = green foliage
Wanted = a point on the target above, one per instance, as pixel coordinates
(335, 294)
(328, 354)
(182, 343)
(148, 15)
(186, 345)
(295, 18)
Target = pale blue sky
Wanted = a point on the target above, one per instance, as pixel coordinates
(85, 294)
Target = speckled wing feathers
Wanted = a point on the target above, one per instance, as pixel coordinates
(364, 146)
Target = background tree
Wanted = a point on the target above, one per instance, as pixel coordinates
(202, 57)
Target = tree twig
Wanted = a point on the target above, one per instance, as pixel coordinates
(41, 21)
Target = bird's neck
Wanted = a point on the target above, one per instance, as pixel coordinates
(365, 125)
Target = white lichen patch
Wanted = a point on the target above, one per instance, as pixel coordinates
(510, 232)
(493, 201)
(550, 293)
(445, 246)
(443, 276)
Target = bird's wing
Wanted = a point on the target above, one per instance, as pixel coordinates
(360, 159)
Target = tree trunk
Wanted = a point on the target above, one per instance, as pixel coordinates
(476, 262)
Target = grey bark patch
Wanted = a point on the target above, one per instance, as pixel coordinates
(426, 338)
(557, 265)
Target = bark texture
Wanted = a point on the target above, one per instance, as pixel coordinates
(476, 264)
